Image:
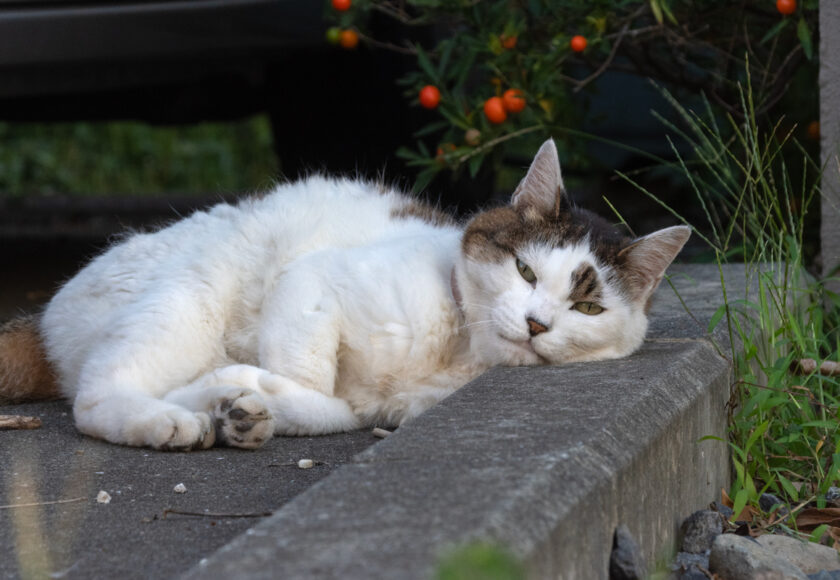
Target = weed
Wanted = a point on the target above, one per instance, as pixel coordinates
(785, 436)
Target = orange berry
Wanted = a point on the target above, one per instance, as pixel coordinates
(341, 5)
(786, 7)
(349, 38)
(513, 100)
(578, 43)
(494, 110)
(508, 42)
(814, 130)
(429, 97)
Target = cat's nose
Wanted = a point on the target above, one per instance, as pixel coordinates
(536, 327)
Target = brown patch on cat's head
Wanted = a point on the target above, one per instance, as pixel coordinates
(586, 286)
(495, 235)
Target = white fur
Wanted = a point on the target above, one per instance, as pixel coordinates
(311, 310)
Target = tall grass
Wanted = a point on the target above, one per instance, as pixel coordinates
(785, 435)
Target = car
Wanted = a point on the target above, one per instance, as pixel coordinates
(185, 61)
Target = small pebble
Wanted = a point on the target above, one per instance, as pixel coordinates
(381, 433)
(180, 488)
(305, 463)
(103, 497)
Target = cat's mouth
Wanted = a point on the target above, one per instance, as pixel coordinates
(527, 346)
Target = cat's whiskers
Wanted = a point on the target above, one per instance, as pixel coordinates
(477, 323)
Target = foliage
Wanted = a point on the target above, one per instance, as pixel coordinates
(480, 561)
(785, 435)
(483, 48)
(134, 158)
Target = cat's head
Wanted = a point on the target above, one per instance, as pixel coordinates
(541, 281)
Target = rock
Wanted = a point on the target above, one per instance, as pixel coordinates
(809, 557)
(688, 566)
(742, 558)
(626, 560)
(685, 560)
(825, 575)
(692, 573)
(768, 500)
(832, 496)
(699, 530)
(723, 510)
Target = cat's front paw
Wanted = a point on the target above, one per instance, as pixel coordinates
(183, 431)
(242, 420)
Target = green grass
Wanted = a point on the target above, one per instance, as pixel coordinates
(129, 158)
(784, 431)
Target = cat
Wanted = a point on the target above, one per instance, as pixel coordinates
(330, 304)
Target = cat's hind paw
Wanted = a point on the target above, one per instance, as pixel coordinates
(242, 419)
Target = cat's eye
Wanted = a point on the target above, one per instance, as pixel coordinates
(589, 308)
(525, 271)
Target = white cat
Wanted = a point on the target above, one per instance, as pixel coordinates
(331, 304)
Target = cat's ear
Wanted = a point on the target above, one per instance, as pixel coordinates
(542, 188)
(647, 258)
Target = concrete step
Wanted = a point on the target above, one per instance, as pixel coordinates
(545, 462)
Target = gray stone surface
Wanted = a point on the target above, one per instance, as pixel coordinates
(830, 134)
(809, 557)
(129, 537)
(540, 460)
(742, 558)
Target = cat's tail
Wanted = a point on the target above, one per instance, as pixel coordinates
(25, 373)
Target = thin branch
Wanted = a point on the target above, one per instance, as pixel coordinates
(168, 511)
(600, 70)
(387, 45)
(493, 142)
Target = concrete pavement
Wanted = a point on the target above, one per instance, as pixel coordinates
(545, 461)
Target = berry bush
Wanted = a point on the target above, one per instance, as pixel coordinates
(499, 70)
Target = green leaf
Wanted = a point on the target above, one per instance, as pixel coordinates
(657, 10)
(776, 29)
(759, 431)
(424, 178)
(426, 65)
(788, 487)
(712, 438)
(666, 8)
(406, 153)
(716, 318)
(430, 128)
(804, 34)
(818, 533)
(475, 164)
(739, 503)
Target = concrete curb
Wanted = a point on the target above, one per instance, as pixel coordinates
(544, 461)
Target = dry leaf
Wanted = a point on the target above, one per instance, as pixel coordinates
(19, 422)
(810, 519)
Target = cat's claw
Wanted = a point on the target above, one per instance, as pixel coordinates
(243, 420)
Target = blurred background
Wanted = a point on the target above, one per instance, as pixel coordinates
(128, 115)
